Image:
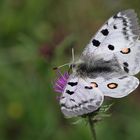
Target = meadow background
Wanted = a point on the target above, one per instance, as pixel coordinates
(35, 36)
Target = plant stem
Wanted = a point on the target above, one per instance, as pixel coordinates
(92, 128)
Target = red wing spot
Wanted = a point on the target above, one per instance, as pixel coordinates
(112, 85)
(125, 50)
(94, 84)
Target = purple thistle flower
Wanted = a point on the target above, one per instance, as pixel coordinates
(61, 82)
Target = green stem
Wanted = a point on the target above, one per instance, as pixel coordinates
(92, 128)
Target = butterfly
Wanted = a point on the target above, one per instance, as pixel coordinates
(106, 66)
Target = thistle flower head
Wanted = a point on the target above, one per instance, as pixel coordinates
(61, 81)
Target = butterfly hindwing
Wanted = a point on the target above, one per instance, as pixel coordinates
(119, 87)
(80, 99)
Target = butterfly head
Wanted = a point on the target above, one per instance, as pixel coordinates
(74, 65)
(63, 78)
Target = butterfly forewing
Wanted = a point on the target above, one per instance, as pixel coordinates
(120, 31)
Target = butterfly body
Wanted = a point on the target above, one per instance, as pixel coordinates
(99, 68)
(106, 66)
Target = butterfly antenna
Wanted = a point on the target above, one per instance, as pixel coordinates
(61, 66)
(73, 55)
(73, 58)
(55, 68)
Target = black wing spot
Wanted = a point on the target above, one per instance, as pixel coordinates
(63, 105)
(95, 42)
(115, 16)
(91, 100)
(98, 103)
(125, 33)
(124, 22)
(72, 83)
(84, 102)
(105, 32)
(86, 87)
(69, 92)
(123, 77)
(111, 47)
(126, 69)
(115, 27)
(125, 64)
(125, 29)
(72, 100)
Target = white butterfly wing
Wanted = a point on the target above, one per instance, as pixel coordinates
(120, 31)
(130, 61)
(118, 38)
(80, 98)
(117, 87)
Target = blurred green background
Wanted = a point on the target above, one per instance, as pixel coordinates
(36, 35)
